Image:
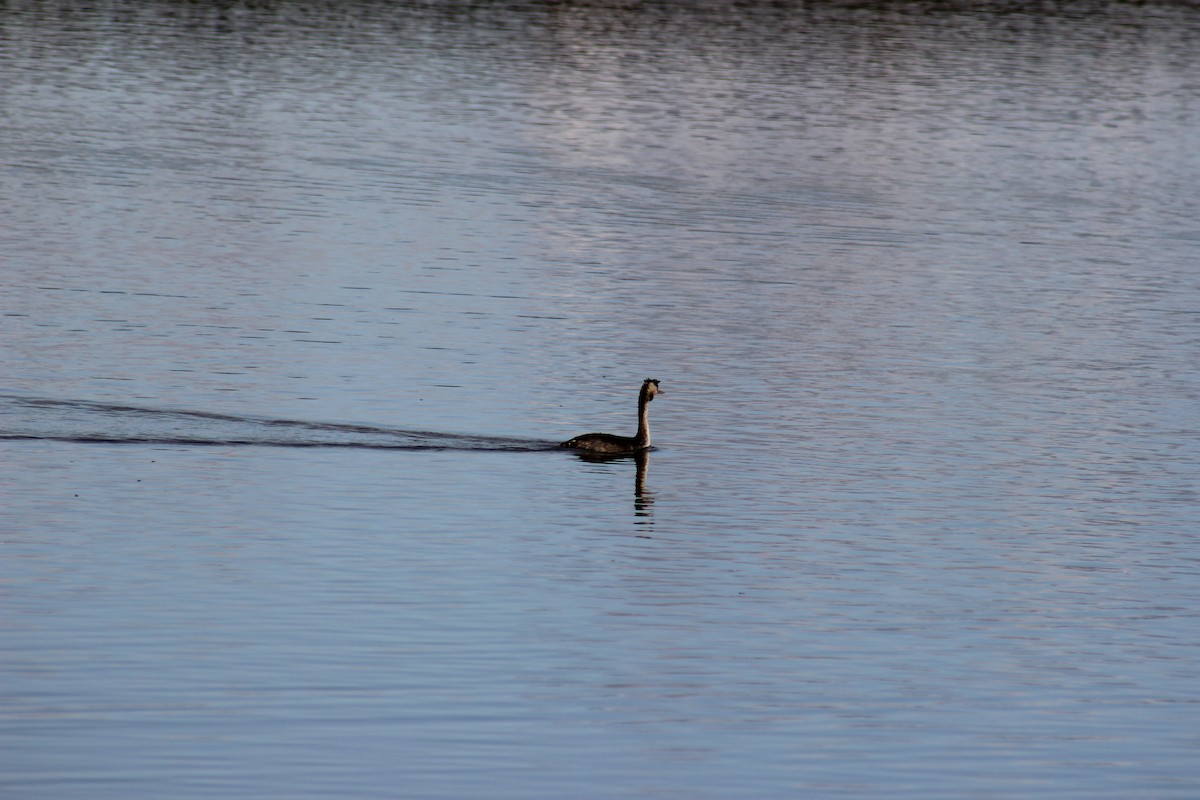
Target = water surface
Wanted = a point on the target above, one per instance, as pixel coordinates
(298, 297)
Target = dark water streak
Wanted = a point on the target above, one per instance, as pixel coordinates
(112, 423)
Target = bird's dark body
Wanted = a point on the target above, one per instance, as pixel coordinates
(605, 443)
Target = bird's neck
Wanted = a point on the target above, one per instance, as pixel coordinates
(643, 432)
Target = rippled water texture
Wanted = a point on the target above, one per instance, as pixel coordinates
(298, 297)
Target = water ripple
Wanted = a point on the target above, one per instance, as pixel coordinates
(42, 418)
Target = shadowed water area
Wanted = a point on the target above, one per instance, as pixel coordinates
(298, 298)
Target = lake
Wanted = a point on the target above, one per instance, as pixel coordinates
(299, 297)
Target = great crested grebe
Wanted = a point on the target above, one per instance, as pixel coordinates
(611, 444)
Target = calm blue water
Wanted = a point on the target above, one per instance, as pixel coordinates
(297, 298)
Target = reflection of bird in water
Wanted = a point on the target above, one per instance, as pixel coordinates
(642, 499)
(611, 444)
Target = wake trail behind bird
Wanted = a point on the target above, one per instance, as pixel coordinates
(39, 418)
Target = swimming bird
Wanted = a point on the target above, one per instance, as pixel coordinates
(611, 444)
